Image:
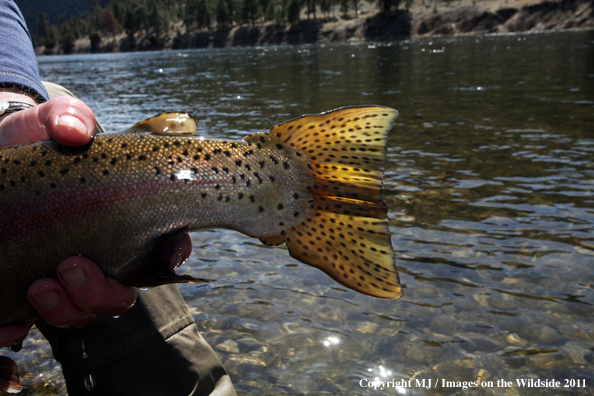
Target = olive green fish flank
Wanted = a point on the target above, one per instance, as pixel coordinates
(313, 183)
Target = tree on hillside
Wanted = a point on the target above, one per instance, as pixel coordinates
(222, 14)
(109, 23)
(386, 5)
(42, 28)
(203, 18)
(344, 7)
(311, 8)
(326, 7)
(249, 10)
(293, 8)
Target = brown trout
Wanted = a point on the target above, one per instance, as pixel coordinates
(313, 183)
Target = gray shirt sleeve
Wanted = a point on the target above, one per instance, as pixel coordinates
(18, 65)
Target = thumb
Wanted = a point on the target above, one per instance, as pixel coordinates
(64, 119)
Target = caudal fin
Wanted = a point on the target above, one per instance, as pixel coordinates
(9, 378)
(347, 235)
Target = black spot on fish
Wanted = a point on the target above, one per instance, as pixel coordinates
(233, 145)
(105, 172)
(217, 151)
(141, 157)
(124, 145)
(63, 172)
(247, 183)
(259, 146)
(166, 145)
(280, 206)
(296, 196)
(228, 154)
(239, 195)
(260, 209)
(217, 187)
(227, 199)
(242, 176)
(272, 179)
(207, 157)
(77, 160)
(248, 167)
(43, 153)
(279, 146)
(185, 153)
(234, 179)
(22, 179)
(274, 160)
(176, 143)
(252, 199)
(286, 165)
(12, 183)
(4, 169)
(238, 162)
(41, 173)
(109, 140)
(196, 157)
(1, 187)
(215, 169)
(262, 139)
(220, 198)
(226, 170)
(195, 170)
(199, 149)
(104, 156)
(249, 152)
(48, 163)
(295, 214)
(262, 164)
(113, 161)
(16, 162)
(172, 177)
(128, 157)
(258, 177)
(203, 195)
(53, 185)
(178, 159)
(157, 170)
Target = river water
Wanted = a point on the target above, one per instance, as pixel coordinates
(490, 189)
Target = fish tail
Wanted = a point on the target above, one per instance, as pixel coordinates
(9, 377)
(346, 234)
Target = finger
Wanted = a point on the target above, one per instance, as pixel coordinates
(67, 120)
(92, 291)
(14, 334)
(53, 304)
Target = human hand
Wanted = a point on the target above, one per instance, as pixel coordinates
(64, 119)
(81, 290)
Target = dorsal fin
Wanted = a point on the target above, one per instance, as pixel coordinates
(169, 124)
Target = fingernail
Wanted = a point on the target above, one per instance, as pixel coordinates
(74, 277)
(47, 300)
(73, 122)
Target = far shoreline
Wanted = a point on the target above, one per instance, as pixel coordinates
(461, 18)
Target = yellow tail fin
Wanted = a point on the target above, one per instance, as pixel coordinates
(347, 236)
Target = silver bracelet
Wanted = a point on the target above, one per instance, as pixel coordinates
(12, 107)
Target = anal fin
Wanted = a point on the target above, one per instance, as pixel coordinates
(9, 377)
(155, 267)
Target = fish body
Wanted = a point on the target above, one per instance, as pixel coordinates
(313, 183)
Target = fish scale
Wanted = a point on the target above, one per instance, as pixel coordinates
(313, 183)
